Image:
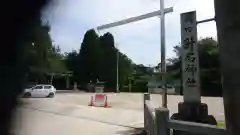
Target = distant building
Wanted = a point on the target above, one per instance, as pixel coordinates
(99, 87)
(155, 86)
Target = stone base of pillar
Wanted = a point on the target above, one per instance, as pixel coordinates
(193, 112)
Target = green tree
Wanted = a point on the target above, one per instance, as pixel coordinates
(125, 69)
(209, 66)
(109, 67)
(40, 56)
(109, 63)
(56, 60)
(36, 51)
(88, 58)
(97, 60)
(71, 63)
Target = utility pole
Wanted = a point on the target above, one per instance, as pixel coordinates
(228, 29)
(117, 72)
(163, 55)
(129, 84)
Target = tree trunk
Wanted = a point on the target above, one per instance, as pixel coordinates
(228, 27)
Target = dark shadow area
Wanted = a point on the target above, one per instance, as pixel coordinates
(69, 91)
(133, 131)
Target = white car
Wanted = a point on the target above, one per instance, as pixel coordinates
(40, 91)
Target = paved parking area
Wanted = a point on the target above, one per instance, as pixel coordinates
(69, 113)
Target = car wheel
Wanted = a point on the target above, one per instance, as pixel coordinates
(27, 95)
(51, 95)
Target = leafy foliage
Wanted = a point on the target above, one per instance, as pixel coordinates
(40, 55)
(97, 60)
(209, 66)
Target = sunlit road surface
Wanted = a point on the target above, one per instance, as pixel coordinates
(69, 114)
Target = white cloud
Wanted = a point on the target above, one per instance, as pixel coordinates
(139, 40)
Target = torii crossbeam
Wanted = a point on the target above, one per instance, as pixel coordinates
(134, 19)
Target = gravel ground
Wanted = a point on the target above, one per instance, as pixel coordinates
(69, 113)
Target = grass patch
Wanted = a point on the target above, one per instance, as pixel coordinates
(221, 124)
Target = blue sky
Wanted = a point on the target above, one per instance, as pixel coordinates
(70, 19)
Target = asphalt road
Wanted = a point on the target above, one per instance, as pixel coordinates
(69, 114)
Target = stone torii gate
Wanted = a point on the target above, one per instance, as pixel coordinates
(162, 13)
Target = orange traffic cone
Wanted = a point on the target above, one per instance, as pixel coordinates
(91, 101)
(106, 103)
